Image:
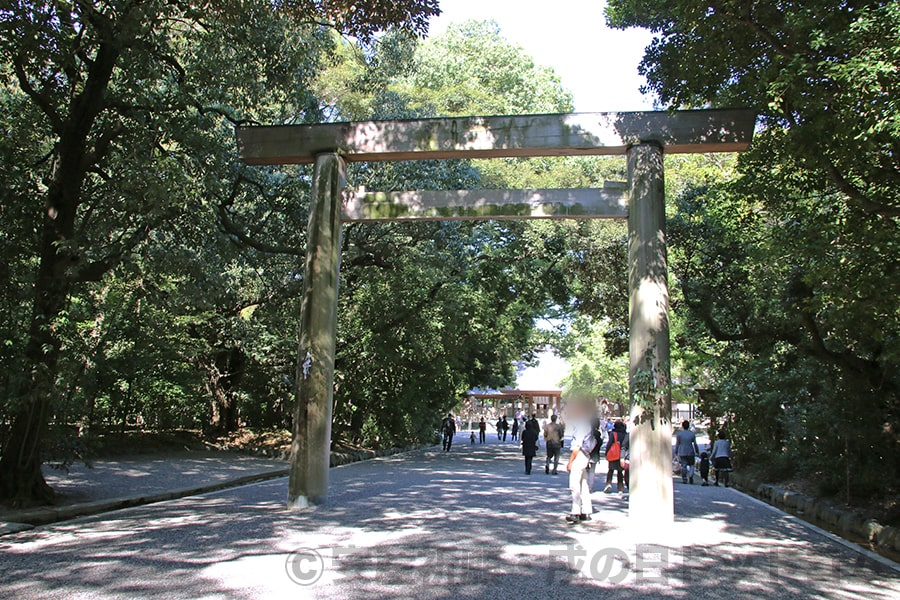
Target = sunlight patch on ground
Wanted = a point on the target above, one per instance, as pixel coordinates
(314, 558)
(613, 549)
(266, 574)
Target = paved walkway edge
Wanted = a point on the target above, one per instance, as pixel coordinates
(883, 538)
(26, 519)
(825, 533)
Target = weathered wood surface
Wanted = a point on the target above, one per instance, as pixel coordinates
(609, 202)
(651, 501)
(311, 445)
(691, 131)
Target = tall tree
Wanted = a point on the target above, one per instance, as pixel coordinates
(116, 98)
(789, 272)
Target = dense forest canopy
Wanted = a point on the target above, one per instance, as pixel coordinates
(152, 280)
(135, 256)
(789, 273)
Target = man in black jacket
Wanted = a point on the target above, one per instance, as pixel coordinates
(448, 430)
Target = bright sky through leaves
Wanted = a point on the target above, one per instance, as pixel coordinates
(597, 64)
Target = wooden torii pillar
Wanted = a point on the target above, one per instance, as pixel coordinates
(642, 136)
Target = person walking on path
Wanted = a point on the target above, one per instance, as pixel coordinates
(448, 429)
(504, 425)
(514, 433)
(686, 450)
(583, 443)
(529, 446)
(482, 430)
(721, 458)
(553, 433)
(704, 468)
(597, 431)
(616, 450)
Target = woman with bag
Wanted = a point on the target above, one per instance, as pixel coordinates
(616, 451)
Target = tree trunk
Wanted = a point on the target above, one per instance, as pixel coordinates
(223, 378)
(21, 480)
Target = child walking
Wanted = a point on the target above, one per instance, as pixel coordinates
(704, 468)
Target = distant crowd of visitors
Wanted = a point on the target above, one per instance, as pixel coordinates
(591, 440)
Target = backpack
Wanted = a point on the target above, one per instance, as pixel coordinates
(595, 453)
(614, 452)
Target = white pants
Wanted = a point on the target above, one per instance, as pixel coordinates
(581, 479)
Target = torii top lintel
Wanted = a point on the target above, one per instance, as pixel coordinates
(688, 131)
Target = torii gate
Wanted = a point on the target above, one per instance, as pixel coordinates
(641, 136)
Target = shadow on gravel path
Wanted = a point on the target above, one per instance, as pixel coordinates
(427, 524)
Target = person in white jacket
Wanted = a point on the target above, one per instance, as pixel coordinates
(581, 414)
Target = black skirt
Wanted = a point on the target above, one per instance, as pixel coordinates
(722, 463)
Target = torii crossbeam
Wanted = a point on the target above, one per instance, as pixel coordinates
(642, 137)
(580, 134)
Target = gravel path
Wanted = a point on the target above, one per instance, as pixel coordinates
(426, 524)
(148, 474)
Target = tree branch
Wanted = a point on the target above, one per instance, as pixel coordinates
(749, 21)
(96, 270)
(39, 97)
(217, 110)
(862, 201)
(870, 370)
(101, 145)
(228, 226)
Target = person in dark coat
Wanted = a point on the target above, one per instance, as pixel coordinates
(448, 430)
(529, 445)
(515, 430)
